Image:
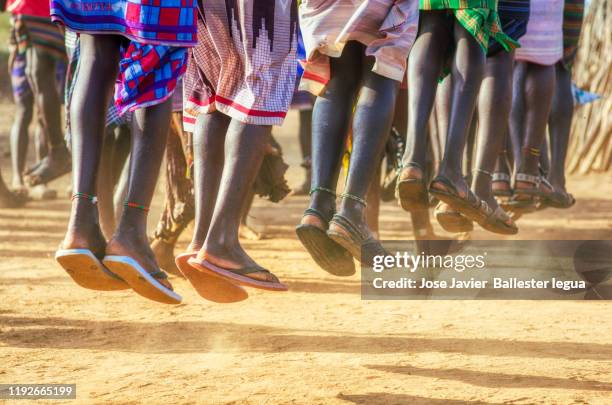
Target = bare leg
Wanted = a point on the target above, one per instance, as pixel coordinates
(373, 208)
(494, 105)
(41, 75)
(178, 209)
(149, 133)
(245, 145)
(517, 113)
(93, 88)
(371, 125)
(424, 68)
(560, 124)
(538, 92)
(305, 133)
(208, 149)
(330, 125)
(467, 71)
(114, 154)
(24, 108)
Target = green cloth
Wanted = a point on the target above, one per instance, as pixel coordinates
(478, 17)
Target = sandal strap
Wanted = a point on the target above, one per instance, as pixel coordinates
(248, 270)
(500, 176)
(322, 189)
(354, 198)
(315, 212)
(159, 274)
(528, 178)
(345, 223)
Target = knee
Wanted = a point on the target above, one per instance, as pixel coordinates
(24, 108)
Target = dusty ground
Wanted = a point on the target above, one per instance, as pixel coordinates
(318, 343)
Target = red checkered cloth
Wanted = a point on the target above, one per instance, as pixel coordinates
(148, 75)
(167, 22)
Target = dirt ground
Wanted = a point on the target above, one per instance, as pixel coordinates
(317, 344)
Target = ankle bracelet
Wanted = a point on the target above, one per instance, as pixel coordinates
(84, 196)
(322, 189)
(354, 198)
(141, 207)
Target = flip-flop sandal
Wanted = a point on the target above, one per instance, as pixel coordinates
(363, 247)
(524, 200)
(141, 281)
(468, 206)
(238, 276)
(500, 177)
(212, 288)
(329, 255)
(43, 174)
(451, 220)
(88, 271)
(497, 221)
(412, 193)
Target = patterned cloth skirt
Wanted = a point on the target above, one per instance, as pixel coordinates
(154, 53)
(513, 16)
(479, 17)
(543, 42)
(39, 33)
(167, 22)
(244, 64)
(387, 28)
(573, 16)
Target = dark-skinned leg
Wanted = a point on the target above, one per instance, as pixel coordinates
(305, 132)
(330, 125)
(538, 94)
(560, 125)
(424, 68)
(245, 145)
(41, 75)
(373, 208)
(24, 108)
(208, 149)
(245, 231)
(93, 89)
(494, 103)
(517, 114)
(149, 131)
(467, 71)
(371, 125)
(8, 199)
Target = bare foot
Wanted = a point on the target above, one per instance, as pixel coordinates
(84, 232)
(164, 255)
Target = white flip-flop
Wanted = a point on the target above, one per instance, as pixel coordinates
(141, 281)
(88, 271)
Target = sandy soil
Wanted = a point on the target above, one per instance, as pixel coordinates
(318, 343)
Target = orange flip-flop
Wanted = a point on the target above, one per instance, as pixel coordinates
(212, 288)
(238, 276)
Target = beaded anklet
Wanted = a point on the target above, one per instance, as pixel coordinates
(141, 207)
(84, 196)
